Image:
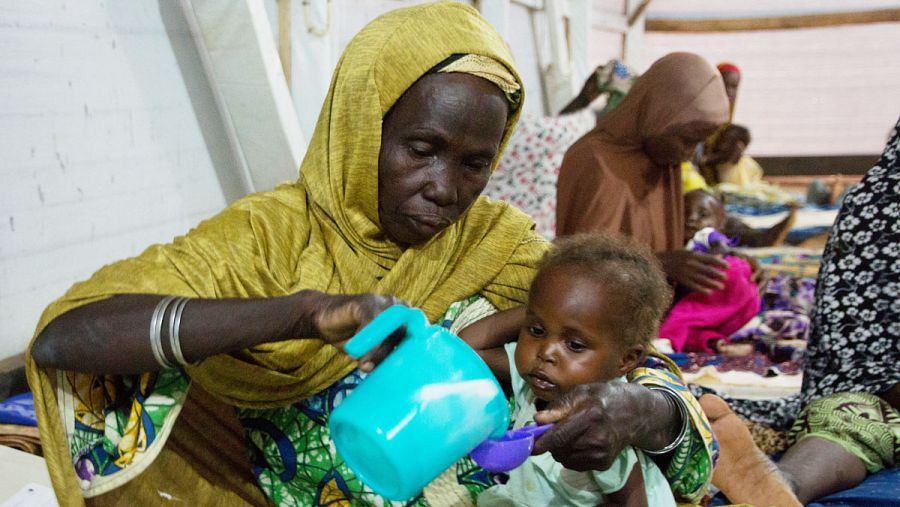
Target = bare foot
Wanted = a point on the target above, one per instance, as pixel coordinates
(735, 349)
(743, 472)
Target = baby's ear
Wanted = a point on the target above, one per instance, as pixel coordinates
(632, 357)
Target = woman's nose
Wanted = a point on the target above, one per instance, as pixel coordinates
(441, 187)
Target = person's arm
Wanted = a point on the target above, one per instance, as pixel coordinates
(588, 93)
(113, 335)
(594, 422)
(488, 336)
(773, 236)
(632, 494)
(695, 271)
(654, 412)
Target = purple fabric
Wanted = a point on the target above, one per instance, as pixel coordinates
(704, 246)
(699, 319)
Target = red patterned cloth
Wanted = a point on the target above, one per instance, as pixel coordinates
(527, 173)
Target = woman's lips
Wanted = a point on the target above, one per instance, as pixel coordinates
(429, 220)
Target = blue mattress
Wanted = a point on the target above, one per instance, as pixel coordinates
(18, 409)
(878, 490)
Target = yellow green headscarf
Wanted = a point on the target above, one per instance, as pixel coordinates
(323, 233)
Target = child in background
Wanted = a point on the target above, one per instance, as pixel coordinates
(704, 322)
(723, 166)
(725, 162)
(593, 308)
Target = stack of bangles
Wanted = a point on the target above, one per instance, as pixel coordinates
(685, 422)
(174, 325)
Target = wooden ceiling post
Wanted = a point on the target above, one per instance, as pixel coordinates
(774, 22)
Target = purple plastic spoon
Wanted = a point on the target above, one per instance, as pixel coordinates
(510, 450)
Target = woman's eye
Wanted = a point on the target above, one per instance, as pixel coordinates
(478, 165)
(420, 149)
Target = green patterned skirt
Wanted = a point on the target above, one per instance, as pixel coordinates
(863, 424)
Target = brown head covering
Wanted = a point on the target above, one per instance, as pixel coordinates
(608, 183)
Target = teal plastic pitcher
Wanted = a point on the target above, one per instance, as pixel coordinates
(429, 403)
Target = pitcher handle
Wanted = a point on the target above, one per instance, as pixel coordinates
(382, 326)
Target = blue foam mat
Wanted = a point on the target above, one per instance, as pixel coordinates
(18, 409)
(878, 490)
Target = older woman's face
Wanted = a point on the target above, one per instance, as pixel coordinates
(437, 146)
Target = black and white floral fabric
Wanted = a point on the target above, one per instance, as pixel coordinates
(855, 341)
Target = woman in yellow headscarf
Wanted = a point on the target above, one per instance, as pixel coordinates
(133, 370)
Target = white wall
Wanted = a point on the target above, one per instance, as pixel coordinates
(314, 57)
(110, 141)
(606, 44)
(810, 92)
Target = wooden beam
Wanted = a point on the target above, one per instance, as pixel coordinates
(638, 12)
(284, 38)
(633, 37)
(530, 4)
(239, 54)
(774, 22)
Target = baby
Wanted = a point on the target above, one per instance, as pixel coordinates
(701, 210)
(593, 308)
(704, 322)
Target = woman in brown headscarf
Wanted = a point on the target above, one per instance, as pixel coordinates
(624, 175)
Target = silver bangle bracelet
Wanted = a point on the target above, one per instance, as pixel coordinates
(685, 422)
(175, 328)
(156, 325)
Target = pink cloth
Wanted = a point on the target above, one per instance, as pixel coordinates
(699, 319)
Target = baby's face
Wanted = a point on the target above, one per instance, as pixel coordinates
(702, 210)
(564, 341)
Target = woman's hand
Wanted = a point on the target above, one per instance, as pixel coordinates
(694, 270)
(594, 422)
(757, 275)
(337, 318)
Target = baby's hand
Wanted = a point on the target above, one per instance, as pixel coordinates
(720, 248)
